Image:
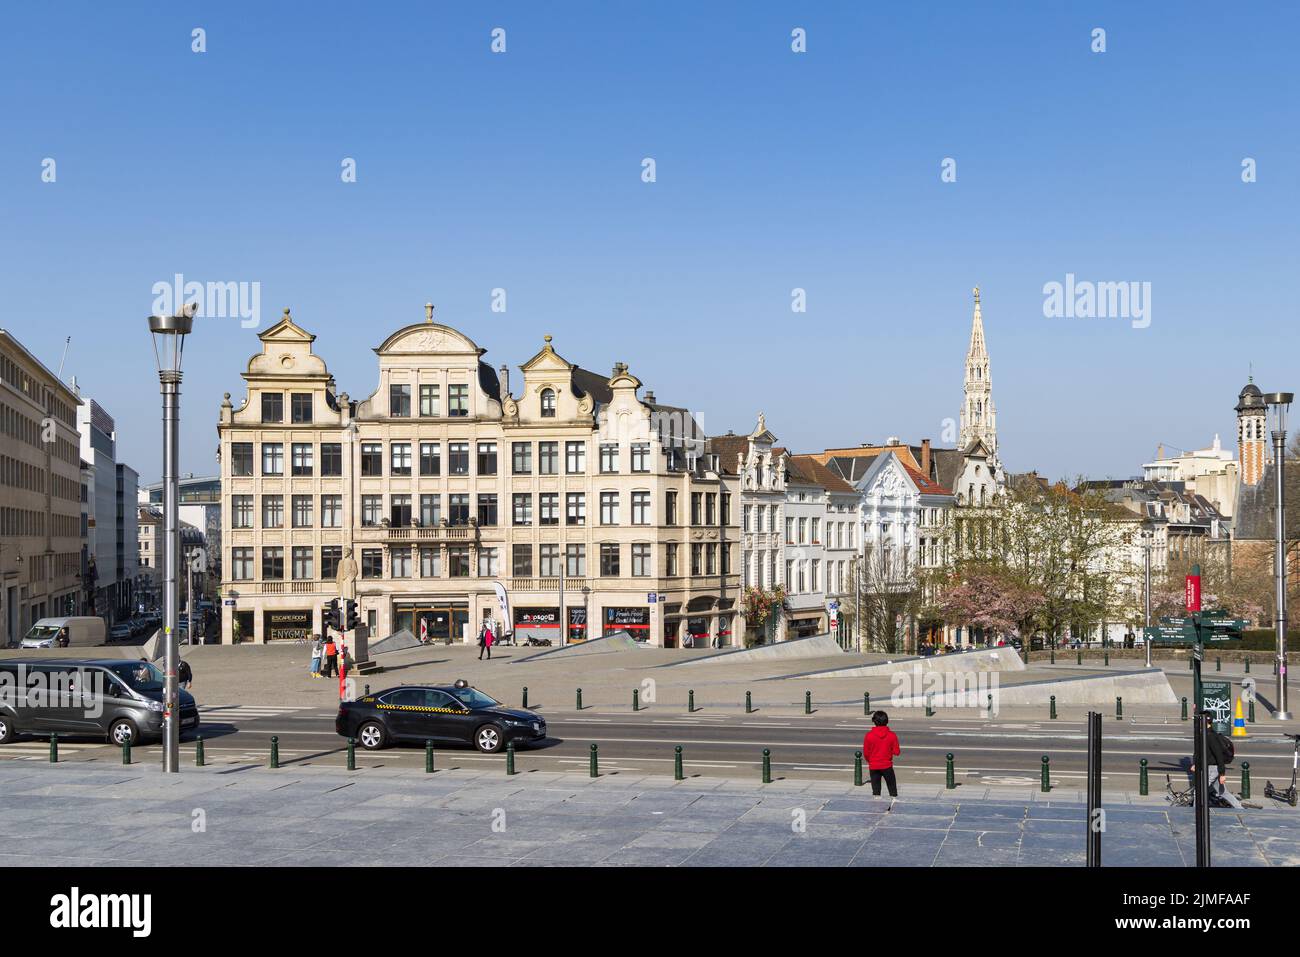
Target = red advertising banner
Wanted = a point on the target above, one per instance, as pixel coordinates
(1193, 596)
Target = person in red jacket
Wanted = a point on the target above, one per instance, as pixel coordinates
(879, 747)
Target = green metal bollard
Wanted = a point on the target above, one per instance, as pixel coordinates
(1046, 784)
(929, 705)
(767, 766)
(990, 706)
(1245, 779)
(428, 756)
(807, 702)
(1107, 657)
(1078, 657)
(1143, 785)
(367, 690)
(126, 752)
(54, 747)
(1119, 709)
(275, 751)
(857, 769)
(950, 774)
(1218, 664)
(636, 699)
(1184, 709)
(525, 704)
(690, 701)
(866, 702)
(1052, 713)
(352, 754)
(198, 752)
(1053, 661)
(1250, 711)
(677, 764)
(595, 767)
(1247, 666)
(1191, 665)
(579, 699)
(749, 704)
(510, 759)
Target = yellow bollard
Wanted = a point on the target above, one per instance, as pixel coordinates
(1238, 721)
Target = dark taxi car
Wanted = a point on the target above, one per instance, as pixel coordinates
(443, 714)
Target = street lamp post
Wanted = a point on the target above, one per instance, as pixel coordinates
(169, 334)
(1146, 545)
(1280, 401)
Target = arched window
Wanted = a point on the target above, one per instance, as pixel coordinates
(548, 403)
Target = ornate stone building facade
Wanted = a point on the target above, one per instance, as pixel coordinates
(595, 509)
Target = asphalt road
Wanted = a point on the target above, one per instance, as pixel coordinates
(730, 745)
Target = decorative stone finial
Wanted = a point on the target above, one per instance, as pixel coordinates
(976, 290)
(428, 312)
(286, 312)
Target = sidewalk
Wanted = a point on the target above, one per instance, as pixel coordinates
(105, 815)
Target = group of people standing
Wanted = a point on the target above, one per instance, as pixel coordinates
(324, 658)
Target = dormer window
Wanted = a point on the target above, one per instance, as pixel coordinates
(548, 403)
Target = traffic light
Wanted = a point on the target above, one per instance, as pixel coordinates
(332, 618)
(351, 621)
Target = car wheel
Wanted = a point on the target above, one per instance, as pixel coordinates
(7, 729)
(122, 732)
(488, 739)
(372, 736)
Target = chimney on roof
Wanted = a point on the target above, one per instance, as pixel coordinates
(892, 440)
(505, 379)
(925, 458)
(620, 368)
(650, 396)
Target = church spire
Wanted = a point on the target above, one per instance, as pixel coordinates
(978, 415)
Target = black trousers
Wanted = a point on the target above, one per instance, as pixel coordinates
(888, 775)
(331, 666)
(483, 648)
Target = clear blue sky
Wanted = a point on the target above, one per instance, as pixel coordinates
(775, 171)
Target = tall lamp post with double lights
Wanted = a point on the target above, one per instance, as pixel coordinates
(1280, 401)
(169, 334)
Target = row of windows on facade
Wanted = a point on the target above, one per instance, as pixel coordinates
(709, 558)
(803, 531)
(425, 458)
(29, 431)
(399, 403)
(12, 373)
(400, 510)
(802, 575)
(18, 474)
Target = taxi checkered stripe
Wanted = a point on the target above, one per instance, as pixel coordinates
(412, 707)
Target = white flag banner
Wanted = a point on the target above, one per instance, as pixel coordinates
(504, 602)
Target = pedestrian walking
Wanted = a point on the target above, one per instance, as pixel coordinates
(317, 650)
(880, 746)
(185, 674)
(485, 642)
(331, 659)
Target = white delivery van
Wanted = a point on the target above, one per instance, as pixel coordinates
(65, 633)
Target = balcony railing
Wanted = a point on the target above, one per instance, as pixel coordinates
(547, 584)
(405, 533)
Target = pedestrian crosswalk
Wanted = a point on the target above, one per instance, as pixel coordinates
(39, 749)
(234, 713)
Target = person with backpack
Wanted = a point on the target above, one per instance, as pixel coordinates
(1220, 752)
(880, 747)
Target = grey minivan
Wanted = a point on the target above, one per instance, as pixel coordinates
(114, 698)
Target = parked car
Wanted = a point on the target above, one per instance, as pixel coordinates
(113, 698)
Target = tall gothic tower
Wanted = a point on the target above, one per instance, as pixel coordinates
(978, 417)
(1252, 442)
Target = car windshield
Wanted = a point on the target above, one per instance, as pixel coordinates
(474, 699)
(41, 632)
(140, 675)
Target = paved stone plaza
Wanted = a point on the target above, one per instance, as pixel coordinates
(105, 815)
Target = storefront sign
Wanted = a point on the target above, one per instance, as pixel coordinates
(635, 620)
(286, 625)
